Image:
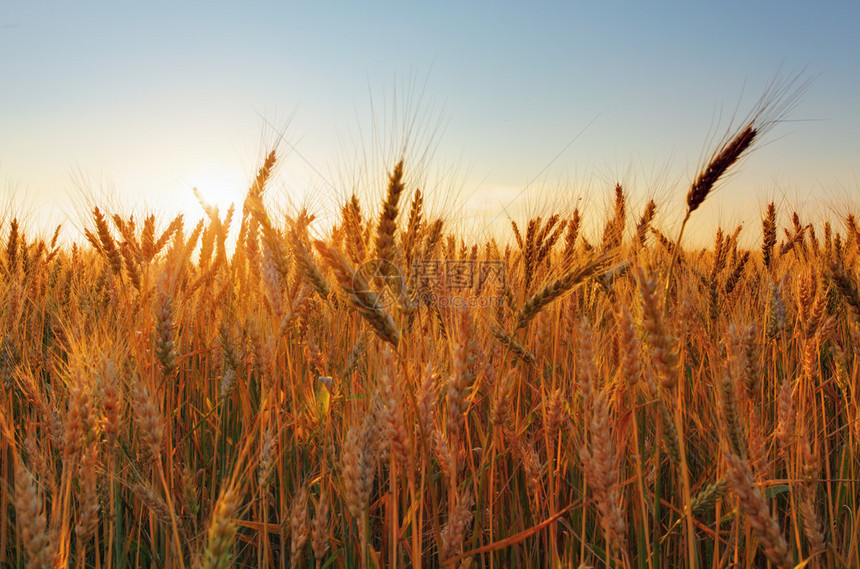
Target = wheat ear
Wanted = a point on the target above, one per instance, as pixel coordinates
(388, 218)
(557, 288)
(757, 513)
(31, 516)
(359, 294)
(452, 533)
(222, 529)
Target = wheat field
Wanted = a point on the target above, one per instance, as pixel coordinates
(393, 394)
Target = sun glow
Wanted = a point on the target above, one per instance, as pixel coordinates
(217, 186)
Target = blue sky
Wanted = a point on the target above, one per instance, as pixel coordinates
(523, 104)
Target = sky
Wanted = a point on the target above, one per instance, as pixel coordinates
(510, 109)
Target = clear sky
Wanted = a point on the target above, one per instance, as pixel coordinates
(522, 103)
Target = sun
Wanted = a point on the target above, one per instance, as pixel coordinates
(218, 185)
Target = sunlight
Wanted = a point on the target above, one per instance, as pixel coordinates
(218, 185)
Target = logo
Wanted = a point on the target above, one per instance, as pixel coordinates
(378, 284)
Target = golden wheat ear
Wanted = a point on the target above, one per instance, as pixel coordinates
(222, 529)
(359, 294)
(30, 512)
(387, 227)
(757, 512)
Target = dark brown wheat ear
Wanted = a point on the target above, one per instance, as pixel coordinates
(778, 99)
